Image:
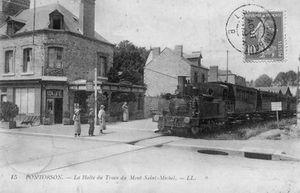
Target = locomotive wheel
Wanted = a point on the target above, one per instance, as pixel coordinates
(195, 131)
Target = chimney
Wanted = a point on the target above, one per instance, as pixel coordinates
(87, 17)
(200, 59)
(213, 74)
(178, 50)
(155, 52)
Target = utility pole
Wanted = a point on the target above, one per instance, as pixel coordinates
(297, 103)
(227, 65)
(33, 26)
(95, 104)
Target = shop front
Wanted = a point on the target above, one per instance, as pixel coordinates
(55, 101)
(113, 95)
(55, 105)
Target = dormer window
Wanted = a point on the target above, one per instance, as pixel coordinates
(13, 25)
(56, 20)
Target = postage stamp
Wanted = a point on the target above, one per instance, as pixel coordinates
(264, 38)
(257, 33)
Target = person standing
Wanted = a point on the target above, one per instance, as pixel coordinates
(102, 116)
(77, 126)
(91, 122)
(125, 112)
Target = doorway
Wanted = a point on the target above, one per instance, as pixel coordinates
(58, 108)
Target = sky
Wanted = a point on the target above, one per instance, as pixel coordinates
(198, 25)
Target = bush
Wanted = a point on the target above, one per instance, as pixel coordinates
(8, 111)
(101, 100)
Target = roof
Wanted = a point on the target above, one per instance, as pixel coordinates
(223, 72)
(184, 58)
(276, 89)
(192, 55)
(71, 22)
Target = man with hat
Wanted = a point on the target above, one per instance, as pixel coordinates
(91, 122)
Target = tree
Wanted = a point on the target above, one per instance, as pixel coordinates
(286, 78)
(291, 78)
(263, 81)
(129, 61)
(281, 79)
(101, 100)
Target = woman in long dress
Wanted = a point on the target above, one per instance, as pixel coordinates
(77, 126)
(125, 112)
(101, 116)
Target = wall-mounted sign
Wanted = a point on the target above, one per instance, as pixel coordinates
(89, 85)
(54, 94)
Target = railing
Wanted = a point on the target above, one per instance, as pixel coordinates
(47, 71)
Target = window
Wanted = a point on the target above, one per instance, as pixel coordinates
(8, 68)
(13, 26)
(56, 20)
(102, 65)
(10, 28)
(27, 59)
(203, 78)
(55, 57)
(25, 100)
(195, 77)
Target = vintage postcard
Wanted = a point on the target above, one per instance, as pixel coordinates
(125, 96)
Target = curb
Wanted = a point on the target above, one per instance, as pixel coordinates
(83, 138)
(250, 153)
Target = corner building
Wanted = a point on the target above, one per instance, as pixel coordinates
(45, 64)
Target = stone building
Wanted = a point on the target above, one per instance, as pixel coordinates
(45, 63)
(216, 75)
(162, 69)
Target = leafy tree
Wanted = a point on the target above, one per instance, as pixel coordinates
(281, 79)
(263, 81)
(291, 78)
(101, 100)
(129, 61)
(286, 78)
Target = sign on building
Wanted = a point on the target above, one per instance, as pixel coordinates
(89, 85)
(276, 106)
(54, 93)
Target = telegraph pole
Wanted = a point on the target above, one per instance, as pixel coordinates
(297, 103)
(95, 104)
(227, 65)
(33, 26)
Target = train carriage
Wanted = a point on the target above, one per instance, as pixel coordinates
(197, 107)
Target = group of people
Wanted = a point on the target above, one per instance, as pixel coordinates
(91, 121)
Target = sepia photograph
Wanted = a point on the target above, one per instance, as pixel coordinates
(154, 96)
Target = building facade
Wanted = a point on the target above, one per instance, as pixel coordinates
(41, 69)
(163, 68)
(217, 75)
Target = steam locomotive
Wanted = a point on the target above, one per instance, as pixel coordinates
(204, 106)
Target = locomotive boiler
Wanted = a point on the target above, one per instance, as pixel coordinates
(195, 108)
